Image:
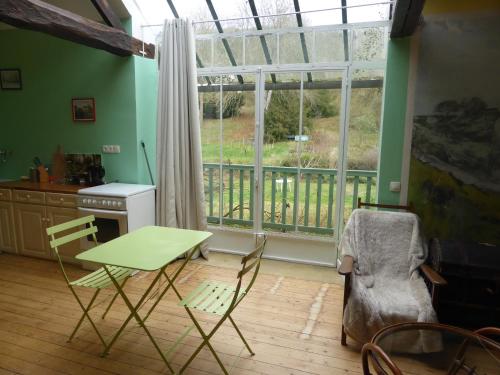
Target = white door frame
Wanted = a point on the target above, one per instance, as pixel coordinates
(260, 73)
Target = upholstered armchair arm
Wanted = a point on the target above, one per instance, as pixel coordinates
(346, 265)
(435, 278)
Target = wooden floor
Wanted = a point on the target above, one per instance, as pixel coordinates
(293, 325)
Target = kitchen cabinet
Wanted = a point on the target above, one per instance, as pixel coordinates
(59, 215)
(7, 233)
(26, 214)
(31, 221)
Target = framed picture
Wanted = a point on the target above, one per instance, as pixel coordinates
(83, 109)
(10, 79)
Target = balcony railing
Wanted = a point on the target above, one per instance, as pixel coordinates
(292, 202)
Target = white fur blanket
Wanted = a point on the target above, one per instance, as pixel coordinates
(386, 287)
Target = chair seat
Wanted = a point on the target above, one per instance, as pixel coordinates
(99, 279)
(211, 297)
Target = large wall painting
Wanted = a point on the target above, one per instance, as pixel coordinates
(455, 165)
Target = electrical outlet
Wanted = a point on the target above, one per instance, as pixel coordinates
(111, 149)
(395, 186)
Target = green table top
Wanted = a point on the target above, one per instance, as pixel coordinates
(146, 249)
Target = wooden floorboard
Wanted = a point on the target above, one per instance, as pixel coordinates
(293, 325)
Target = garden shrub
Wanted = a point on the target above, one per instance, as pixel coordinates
(282, 116)
(231, 106)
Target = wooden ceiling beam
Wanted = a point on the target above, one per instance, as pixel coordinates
(37, 15)
(108, 14)
(406, 17)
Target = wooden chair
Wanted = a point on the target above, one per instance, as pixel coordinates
(98, 279)
(347, 265)
(215, 298)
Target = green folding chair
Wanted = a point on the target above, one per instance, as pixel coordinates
(98, 279)
(220, 299)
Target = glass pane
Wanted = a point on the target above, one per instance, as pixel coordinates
(329, 46)
(364, 134)
(221, 55)
(238, 151)
(368, 44)
(204, 51)
(300, 151)
(368, 13)
(208, 97)
(254, 50)
(319, 157)
(281, 151)
(227, 134)
(291, 51)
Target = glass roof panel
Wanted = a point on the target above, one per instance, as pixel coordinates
(368, 13)
(331, 17)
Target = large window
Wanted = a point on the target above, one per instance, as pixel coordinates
(290, 127)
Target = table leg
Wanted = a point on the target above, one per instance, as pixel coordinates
(134, 313)
(171, 281)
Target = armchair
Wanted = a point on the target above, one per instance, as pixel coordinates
(383, 264)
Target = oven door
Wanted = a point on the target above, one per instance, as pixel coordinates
(110, 225)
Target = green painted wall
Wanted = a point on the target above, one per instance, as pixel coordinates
(393, 119)
(37, 118)
(146, 84)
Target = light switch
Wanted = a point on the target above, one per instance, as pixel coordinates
(111, 149)
(395, 186)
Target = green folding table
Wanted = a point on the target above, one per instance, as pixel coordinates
(148, 249)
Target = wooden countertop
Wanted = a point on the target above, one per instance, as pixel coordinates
(37, 186)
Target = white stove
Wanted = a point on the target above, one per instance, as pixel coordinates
(118, 209)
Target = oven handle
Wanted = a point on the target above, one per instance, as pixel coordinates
(93, 211)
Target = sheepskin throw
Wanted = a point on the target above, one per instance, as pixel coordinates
(386, 287)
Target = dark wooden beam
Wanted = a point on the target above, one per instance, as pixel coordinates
(37, 15)
(315, 85)
(108, 14)
(406, 17)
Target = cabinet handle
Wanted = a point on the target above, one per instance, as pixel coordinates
(62, 199)
(28, 196)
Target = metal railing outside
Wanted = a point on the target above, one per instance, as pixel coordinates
(292, 202)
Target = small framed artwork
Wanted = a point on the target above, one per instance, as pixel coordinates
(10, 79)
(83, 109)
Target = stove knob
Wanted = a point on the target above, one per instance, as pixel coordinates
(114, 204)
(94, 201)
(109, 203)
(84, 201)
(119, 204)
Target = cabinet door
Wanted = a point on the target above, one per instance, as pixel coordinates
(30, 225)
(7, 233)
(59, 215)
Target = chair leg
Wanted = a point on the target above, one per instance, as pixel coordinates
(347, 290)
(86, 314)
(241, 335)
(206, 342)
(114, 298)
(343, 338)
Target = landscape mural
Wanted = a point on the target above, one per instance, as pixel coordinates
(455, 165)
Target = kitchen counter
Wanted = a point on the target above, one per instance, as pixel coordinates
(37, 186)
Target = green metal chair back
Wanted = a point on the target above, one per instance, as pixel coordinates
(248, 263)
(55, 243)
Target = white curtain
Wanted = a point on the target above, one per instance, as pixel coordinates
(180, 199)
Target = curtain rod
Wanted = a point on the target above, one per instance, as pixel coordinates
(283, 14)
